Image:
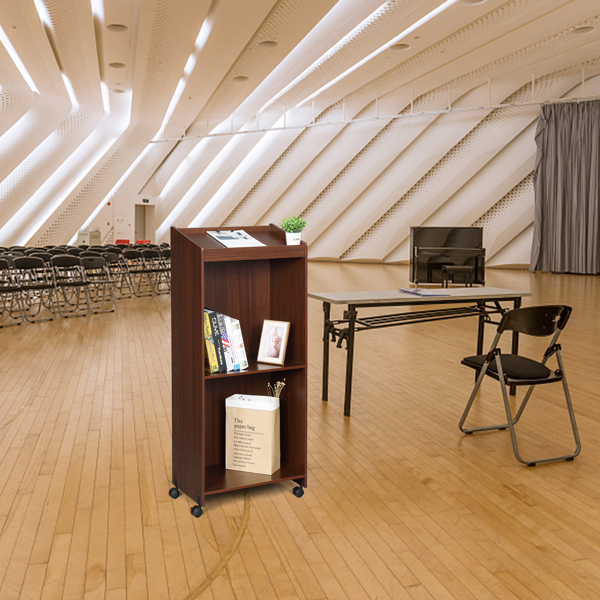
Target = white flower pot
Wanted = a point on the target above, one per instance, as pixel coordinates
(293, 239)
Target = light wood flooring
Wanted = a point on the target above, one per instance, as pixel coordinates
(399, 503)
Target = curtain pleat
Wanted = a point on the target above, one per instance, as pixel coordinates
(566, 234)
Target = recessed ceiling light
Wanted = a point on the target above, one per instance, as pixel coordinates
(583, 30)
(117, 65)
(400, 47)
(118, 91)
(117, 27)
(240, 78)
(473, 2)
(268, 44)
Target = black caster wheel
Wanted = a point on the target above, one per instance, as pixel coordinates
(174, 493)
(196, 511)
(298, 491)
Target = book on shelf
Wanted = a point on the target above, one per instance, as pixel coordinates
(229, 328)
(212, 365)
(223, 336)
(234, 239)
(424, 292)
(228, 351)
(216, 336)
(238, 343)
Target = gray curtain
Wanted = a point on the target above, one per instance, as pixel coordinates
(566, 234)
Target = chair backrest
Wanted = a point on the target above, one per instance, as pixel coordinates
(132, 254)
(45, 256)
(539, 321)
(74, 251)
(153, 254)
(90, 253)
(165, 252)
(4, 266)
(28, 262)
(65, 260)
(90, 263)
(57, 251)
(110, 257)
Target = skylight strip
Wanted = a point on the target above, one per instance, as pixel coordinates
(17, 60)
(383, 48)
(335, 48)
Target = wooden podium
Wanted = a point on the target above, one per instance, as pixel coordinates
(249, 284)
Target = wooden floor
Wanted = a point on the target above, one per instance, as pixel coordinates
(399, 503)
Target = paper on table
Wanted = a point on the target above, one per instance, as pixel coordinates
(234, 239)
(424, 292)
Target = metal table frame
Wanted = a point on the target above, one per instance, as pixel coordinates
(483, 303)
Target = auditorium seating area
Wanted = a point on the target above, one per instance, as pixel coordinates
(40, 283)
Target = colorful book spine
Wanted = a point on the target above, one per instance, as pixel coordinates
(229, 328)
(238, 341)
(212, 365)
(214, 326)
(225, 341)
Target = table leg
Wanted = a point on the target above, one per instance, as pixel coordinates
(480, 332)
(480, 328)
(350, 314)
(515, 345)
(326, 316)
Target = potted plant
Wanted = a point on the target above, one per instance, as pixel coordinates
(293, 227)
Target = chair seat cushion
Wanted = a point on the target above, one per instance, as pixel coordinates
(513, 365)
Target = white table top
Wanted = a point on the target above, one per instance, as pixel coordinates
(467, 294)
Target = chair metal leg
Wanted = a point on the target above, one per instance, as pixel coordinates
(511, 421)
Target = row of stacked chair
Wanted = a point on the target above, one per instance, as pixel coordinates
(38, 284)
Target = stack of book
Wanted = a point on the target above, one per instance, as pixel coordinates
(225, 350)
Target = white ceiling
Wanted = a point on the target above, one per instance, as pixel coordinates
(286, 108)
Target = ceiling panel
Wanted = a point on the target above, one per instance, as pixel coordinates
(241, 112)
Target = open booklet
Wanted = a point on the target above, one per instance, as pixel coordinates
(424, 292)
(234, 239)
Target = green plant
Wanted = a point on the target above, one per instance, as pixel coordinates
(293, 224)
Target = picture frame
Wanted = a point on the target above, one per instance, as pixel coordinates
(273, 342)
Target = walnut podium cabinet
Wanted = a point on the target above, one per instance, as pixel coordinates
(251, 285)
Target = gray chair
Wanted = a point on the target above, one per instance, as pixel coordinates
(517, 370)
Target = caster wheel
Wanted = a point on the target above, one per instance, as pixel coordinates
(174, 493)
(298, 491)
(196, 511)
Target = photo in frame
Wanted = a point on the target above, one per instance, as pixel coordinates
(273, 342)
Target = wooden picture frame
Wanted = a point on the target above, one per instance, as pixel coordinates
(273, 342)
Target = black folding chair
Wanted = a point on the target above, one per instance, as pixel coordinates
(119, 272)
(159, 271)
(37, 288)
(10, 301)
(72, 298)
(140, 275)
(101, 286)
(517, 370)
